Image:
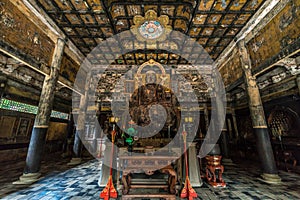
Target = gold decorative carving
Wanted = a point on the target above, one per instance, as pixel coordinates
(142, 79)
(151, 15)
(151, 62)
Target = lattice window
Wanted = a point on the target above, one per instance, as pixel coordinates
(280, 122)
(26, 108)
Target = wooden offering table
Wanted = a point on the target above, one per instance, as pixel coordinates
(148, 165)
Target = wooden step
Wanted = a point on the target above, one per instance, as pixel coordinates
(149, 186)
(147, 196)
(148, 181)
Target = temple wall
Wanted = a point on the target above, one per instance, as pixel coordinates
(15, 131)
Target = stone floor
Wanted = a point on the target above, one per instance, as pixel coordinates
(81, 182)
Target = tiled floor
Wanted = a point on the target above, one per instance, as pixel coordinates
(81, 182)
(10, 172)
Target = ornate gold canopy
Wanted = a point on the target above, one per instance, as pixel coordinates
(161, 78)
(151, 28)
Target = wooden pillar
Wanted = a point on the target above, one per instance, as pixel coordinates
(264, 148)
(77, 147)
(70, 132)
(225, 143)
(229, 128)
(3, 81)
(234, 123)
(37, 141)
(206, 118)
(298, 83)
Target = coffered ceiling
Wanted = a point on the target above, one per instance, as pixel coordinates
(212, 23)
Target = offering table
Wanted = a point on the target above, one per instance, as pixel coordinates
(148, 164)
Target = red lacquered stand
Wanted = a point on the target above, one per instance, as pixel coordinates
(187, 191)
(214, 171)
(109, 191)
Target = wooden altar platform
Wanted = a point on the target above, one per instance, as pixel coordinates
(148, 165)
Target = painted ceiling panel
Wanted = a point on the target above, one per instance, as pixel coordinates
(213, 23)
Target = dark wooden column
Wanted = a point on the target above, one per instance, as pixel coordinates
(234, 123)
(70, 133)
(225, 143)
(298, 83)
(229, 128)
(206, 117)
(80, 125)
(37, 141)
(264, 148)
(3, 81)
